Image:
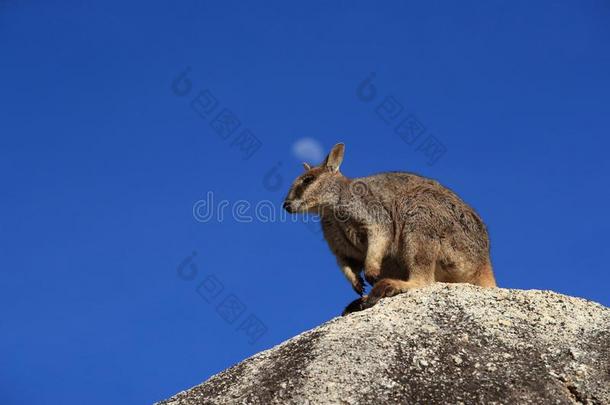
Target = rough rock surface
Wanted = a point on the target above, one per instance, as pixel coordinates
(442, 344)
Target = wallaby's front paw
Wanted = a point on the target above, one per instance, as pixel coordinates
(354, 306)
(359, 285)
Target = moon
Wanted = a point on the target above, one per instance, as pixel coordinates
(308, 150)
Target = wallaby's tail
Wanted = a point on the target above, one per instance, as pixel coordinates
(486, 277)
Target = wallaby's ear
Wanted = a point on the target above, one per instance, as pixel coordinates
(335, 157)
(307, 166)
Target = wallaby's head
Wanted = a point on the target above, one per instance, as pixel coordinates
(318, 187)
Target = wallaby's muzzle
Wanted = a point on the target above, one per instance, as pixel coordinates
(288, 206)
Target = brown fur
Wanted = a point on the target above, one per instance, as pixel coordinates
(401, 230)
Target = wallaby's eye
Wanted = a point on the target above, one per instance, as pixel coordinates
(307, 179)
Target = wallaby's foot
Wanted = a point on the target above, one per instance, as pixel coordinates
(388, 287)
(383, 288)
(354, 306)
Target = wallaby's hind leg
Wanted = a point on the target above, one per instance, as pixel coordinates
(376, 250)
(420, 262)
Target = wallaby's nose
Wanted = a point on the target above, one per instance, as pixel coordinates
(286, 205)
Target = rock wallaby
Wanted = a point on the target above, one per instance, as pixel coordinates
(402, 230)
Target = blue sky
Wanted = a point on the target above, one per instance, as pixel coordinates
(101, 163)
